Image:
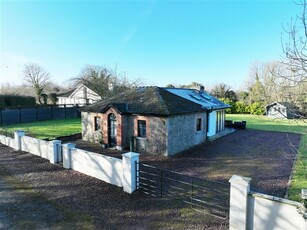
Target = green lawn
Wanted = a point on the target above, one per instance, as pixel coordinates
(294, 126)
(48, 129)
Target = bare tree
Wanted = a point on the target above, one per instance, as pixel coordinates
(37, 77)
(295, 48)
(222, 90)
(105, 82)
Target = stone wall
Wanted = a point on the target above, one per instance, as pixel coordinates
(88, 125)
(156, 139)
(182, 134)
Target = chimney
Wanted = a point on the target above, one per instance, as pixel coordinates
(201, 88)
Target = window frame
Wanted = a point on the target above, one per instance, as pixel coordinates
(97, 123)
(142, 128)
(199, 126)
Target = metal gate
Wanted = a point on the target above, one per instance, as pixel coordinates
(201, 194)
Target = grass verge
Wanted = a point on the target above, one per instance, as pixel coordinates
(48, 129)
(299, 180)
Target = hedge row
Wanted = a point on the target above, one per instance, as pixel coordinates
(256, 108)
(16, 100)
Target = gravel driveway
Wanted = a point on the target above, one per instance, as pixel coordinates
(66, 196)
(265, 156)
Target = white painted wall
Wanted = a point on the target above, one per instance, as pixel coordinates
(266, 213)
(212, 124)
(251, 210)
(11, 142)
(111, 170)
(102, 167)
(37, 147)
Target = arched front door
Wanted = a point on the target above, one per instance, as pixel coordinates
(112, 129)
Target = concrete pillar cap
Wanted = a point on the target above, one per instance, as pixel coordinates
(130, 154)
(240, 180)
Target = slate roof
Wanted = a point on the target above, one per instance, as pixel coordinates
(285, 104)
(200, 97)
(66, 94)
(146, 101)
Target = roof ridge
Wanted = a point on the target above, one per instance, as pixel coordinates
(161, 99)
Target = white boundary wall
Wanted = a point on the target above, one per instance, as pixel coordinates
(119, 172)
(102, 167)
(37, 147)
(45, 149)
(251, 210)
(11, 142)
(267, 212)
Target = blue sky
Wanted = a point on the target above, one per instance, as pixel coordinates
(160, 42)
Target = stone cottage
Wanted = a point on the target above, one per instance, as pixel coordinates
(156, 120)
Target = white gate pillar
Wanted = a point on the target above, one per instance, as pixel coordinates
(17, 136)
(130, 163)
(56, 148)
(67, 154)
(239, 190)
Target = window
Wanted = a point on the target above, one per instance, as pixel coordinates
(141, 128)
(198, 124)
(97, 123)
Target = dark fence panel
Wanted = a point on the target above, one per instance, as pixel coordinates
(44, 114)
(10, 116)
(28, 115)
(58, 113)
(71, 112)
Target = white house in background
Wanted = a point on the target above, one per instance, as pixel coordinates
(282, 110)
(81, 95)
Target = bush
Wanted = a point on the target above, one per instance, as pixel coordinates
(241, 108)
(256, 108)
(16, 100)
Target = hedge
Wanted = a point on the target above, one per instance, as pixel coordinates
(16, 100)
